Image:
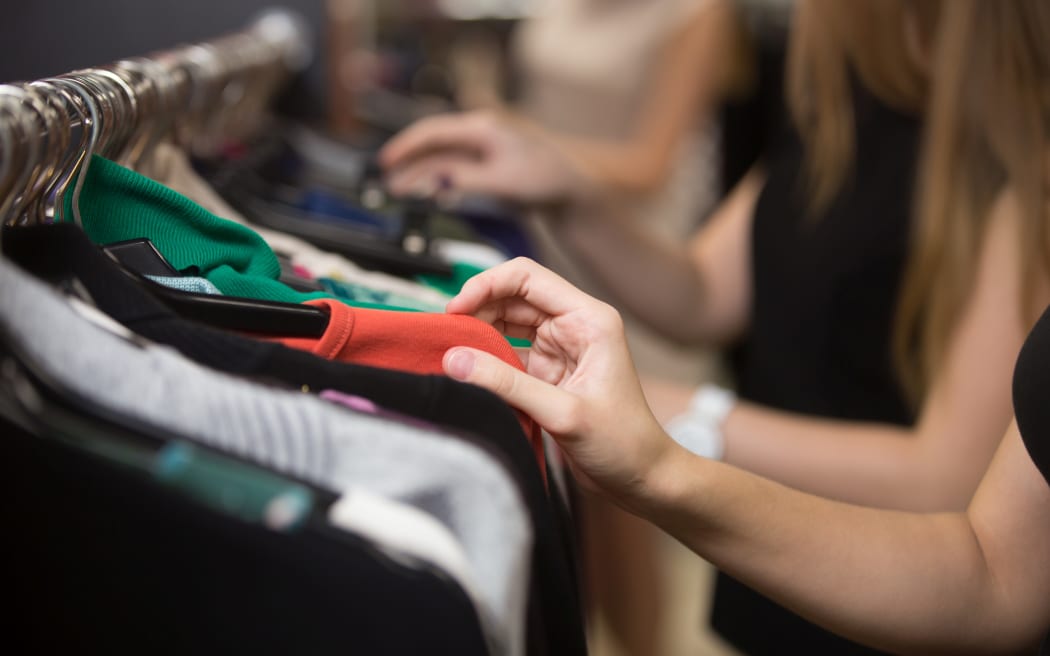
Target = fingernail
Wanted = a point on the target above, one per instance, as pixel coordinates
(460, 364)
(425, 188)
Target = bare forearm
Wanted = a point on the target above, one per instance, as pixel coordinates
(697, 291)
(925, 583)
(651, 279)
(865, 463)
(626, 167)
(894, 580)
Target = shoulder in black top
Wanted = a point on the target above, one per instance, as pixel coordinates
(1032, 394)
(1031, 407)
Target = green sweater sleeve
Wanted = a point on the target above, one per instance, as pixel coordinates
(117, 204)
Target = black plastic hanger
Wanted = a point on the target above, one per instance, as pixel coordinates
(354, 244)
(139, 257)
(247, 184)
(246, 315)
(142, 257)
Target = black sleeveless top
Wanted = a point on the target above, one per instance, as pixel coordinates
(1031, 391)
(825, 294)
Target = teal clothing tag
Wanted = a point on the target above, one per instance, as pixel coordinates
(234, 488)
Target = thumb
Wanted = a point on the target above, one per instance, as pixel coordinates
(549, 406)
(470, 177)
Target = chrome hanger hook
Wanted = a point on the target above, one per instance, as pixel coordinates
(72, 116)
(29, 118)
(10, 175)
(90, 123)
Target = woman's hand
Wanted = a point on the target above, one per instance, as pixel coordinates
(580, 385)
(481, 152)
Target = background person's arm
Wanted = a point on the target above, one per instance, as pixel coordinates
(935, 465)
(693, 292)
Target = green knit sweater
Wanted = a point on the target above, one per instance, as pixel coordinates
(117, 204)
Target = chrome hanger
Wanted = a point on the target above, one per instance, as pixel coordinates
(13, 167)
(199, 95)
(31, 125)
(56, 133)
(90, 122)
(74, 120)
(155, 91)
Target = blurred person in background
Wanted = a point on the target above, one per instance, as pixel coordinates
(874, 352)
(631, 89)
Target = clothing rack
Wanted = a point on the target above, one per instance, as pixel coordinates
(198, 95)
(229, 482)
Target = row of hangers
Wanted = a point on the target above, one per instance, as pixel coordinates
(196, 95)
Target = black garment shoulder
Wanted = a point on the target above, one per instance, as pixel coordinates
(175, 577)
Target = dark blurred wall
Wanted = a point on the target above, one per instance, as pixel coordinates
(39, 38)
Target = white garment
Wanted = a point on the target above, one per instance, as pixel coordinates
(404, 531)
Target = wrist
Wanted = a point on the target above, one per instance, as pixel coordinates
(583, 188)
(667, 483)
(701, 428)
(580, 186)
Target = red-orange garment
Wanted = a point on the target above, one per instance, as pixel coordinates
(408, 341)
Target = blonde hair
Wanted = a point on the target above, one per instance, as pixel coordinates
(830, 39)
(987, 129)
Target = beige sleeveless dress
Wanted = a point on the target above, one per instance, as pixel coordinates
(586, 67)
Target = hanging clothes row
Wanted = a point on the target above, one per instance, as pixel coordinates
(222, 438)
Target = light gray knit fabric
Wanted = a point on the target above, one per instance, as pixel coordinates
(457, 483)
(194, 284)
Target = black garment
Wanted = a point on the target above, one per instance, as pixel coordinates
(62, 252)
(102, 560)
(825, 294)
(750, 125)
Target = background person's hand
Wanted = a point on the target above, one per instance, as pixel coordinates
(580, 385)
(481, 152)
